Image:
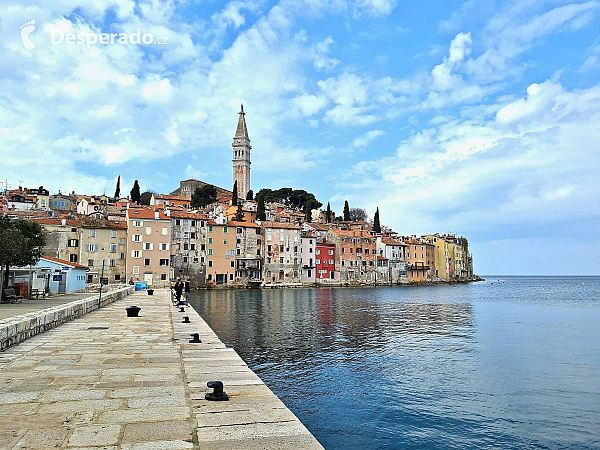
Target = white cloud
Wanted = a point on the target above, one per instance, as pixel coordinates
(460, 47)
(321, 59)
(373, 8)
(309, 104)
(366, 138)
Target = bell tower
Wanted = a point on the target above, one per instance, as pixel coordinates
(241, 156)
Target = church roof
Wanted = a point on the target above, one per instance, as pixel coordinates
(242, 131)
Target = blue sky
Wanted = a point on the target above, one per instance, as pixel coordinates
(479, 118)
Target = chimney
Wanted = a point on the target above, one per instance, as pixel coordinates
(63, 222)
(168, 213)
(156, 213)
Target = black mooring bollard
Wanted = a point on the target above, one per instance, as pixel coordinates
(133, 311)
(195, 338)
(186, 319)
(182, 309)
(217, 395)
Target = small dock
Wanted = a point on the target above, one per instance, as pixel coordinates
(106, 380)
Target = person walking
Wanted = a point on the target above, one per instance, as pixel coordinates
(187, 292)
(178, 289)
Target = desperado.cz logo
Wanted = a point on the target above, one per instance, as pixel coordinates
(89, 39)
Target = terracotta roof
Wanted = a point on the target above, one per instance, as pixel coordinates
(244, 224)
(187, 215)
(91, 223)
(146, 214)
(363, 234)
(390, 241)
(70, 223)
(64, 263)
(382, 257)
(291, 226)
(171, 197)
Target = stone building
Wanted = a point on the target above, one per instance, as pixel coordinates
(248, 257)
(356, 254)
(308, 240)
(61, 203)
(188, 246)
(281, 243)
(391, 261)
(104, 241)
(62, 238)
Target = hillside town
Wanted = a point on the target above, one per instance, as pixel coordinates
(217, 237)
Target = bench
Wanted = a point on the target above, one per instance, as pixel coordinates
(11, 295)
(37, 293)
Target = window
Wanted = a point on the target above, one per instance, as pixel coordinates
(210, 228)
(148, 231)
(192, 246)
(224, 229)
(122, 241)
(193, 223)
(331, 252)
(185, 259)
(210, 276)
(92, 233)
(331, 261)
(62, 203)
(281, 248)
(195, 260)
(232, 264)
(295, 248)
(268, 248)
(210, 240)
(136, 270)
(318, 252)
(113, 248)
(163, 276)
(112, 263)
(185, 235)
(318, 261)
(148, 246)
(177, 222)
(209, 264)
(202, 247)
(224, 241)
(210, 251)
(136, 254)
(73, 230)
(73, 243)
(117, 277)
(268, 237)
(164, 262)
(146, 261)
(91, 248)
(185, 246)
(90, 263)
(268, 273)
(165, 231)
(55, 202)
(121, 255)
(73, 258)
(137, 223)
(231, 275)
(281, 260)
(113, 234)
(193, 235)
(137, 238)
(164, 246)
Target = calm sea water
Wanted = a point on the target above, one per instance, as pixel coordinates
(509, 364)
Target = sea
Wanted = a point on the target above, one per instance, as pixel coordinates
(509, 362)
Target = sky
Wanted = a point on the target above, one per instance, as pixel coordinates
(479, 118)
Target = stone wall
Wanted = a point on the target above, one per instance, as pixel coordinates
(19, 328)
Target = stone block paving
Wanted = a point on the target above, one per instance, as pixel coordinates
(105, 381)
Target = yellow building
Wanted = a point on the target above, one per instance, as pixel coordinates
(220, 253)
(441, 267)
(249, 215)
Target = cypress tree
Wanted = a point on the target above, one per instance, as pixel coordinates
(260, 209)
(118, 189)
(135, 192)
(250, 195)
(346, 212)
(376, 224)
(239, 213)
(328, 213)
(234, 201)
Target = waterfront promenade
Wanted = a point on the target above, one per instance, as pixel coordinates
(108, 381)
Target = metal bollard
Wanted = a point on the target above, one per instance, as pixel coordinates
(133, 311)
(186, 319)
(195, 338)
(217, 395)
(182, 309)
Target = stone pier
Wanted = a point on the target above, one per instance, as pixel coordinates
(111, 382)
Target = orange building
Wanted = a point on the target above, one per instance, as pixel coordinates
(420, 259)
(220, 253)
(356, 253)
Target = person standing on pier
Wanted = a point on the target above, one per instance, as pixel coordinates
(178, 289)
(187, 292)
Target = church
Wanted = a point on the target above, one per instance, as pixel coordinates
(241, 166)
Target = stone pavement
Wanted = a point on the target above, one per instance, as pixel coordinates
(107, 381)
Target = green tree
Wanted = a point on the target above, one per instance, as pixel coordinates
(357, 214)
(346, 211)
(203, 196)
(250, 195)
(234, 200)
(146, 197)
(260, 209)
(239, 213)
(328, 214)
(376, 223)
(135, 192)
(118, 189)
(21, 243)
